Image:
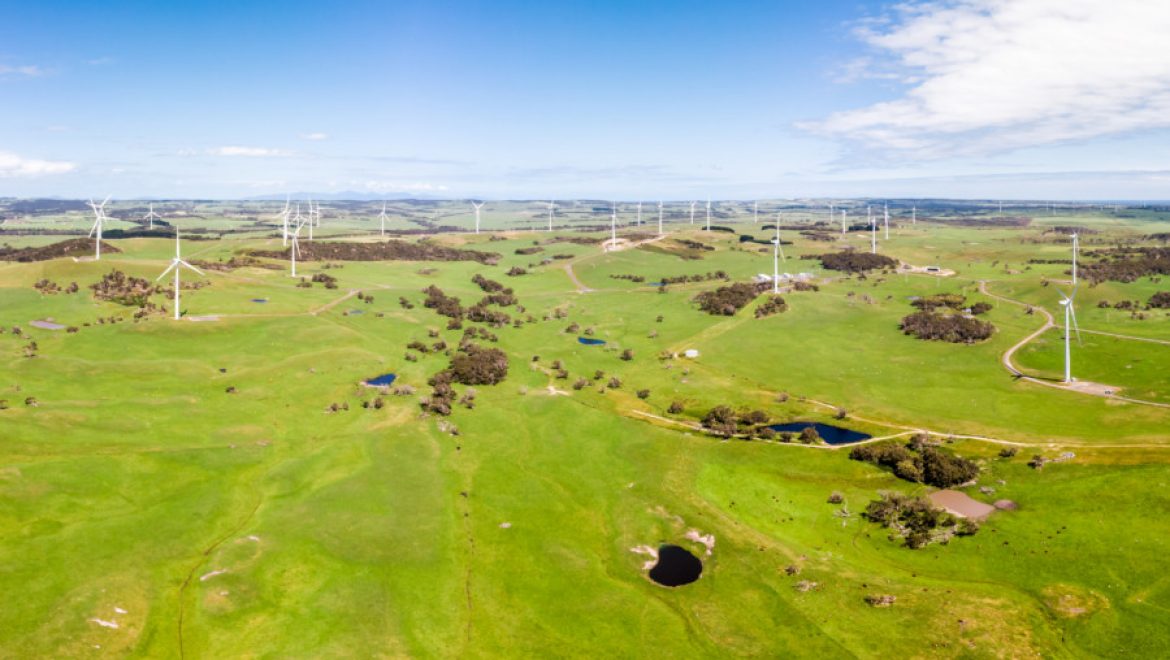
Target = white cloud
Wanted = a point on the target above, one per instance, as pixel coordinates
(12, 165)
(249, 152)
(985, 76)
(314, 136)
(26, 70)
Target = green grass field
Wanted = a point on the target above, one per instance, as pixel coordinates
(147, 511)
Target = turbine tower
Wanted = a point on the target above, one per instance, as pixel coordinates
(1069, 315)
(552, 206)
(873, 230)
(1075, 245)
(99, 212)
(283, 215)
(177, 264)
(477, 208)
(613, 227)
(777, 252)
(756, 212)
(887, 212)
(151, 215)
(295, 250)
(660, 217)
(832, 212)
(382, 218)
(639, 221)
(843, 227)
(914, 215)
(693, 212)
(708, 213)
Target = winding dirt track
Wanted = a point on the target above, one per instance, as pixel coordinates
(1099, 391)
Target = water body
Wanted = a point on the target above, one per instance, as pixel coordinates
(658, 284)
(259, 300)
(384, 380)
(834, 435)
(589, 341)
(676, 567)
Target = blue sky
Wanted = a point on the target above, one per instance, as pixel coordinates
(1031, 99)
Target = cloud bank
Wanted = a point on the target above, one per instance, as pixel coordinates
(988, 76)
(12, 165)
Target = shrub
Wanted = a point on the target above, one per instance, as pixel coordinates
(851, 261)
(727, 300)
(676, 407)
(643, 394)
(946, 327)
(475, 365)
(722, 420)
(809, 435)
(627, 355)
(773, 305)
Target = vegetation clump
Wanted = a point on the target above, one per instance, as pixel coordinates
(916, 520)
(954, 328)
(74, 247)
(118, 287)
(918, 462)
(773, 305)
(727, 300)
(393, 250)
(852, 261)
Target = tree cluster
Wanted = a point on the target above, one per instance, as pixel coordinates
(1126, 264)
(75, 247)
(916, 520)
(773, 305)
(393, 250)
(918, 462)
(954, 328)
(726, 421)
(727, 300)
(852, 261)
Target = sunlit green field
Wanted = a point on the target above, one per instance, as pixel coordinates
(140, 493)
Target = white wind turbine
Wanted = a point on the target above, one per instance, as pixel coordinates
(552, 207)
(660, 217)
(283, 215)
(887, 212)
(295, 249)
(382, 218)
(311, 220)
(843, 227)
(777, 253)
(913, 215)
(756, 212)
(99, 212)
(1075, 246)
(151, 216)
(1069, 315)
(873, 230)
(177, 264)
(477, 208)
(639, 220)
(693, 212)
(613, 227)
(708, 214)
(832, 212)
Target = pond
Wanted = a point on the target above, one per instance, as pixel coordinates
(658, 284)
(589, 341)
(259, 300)
(675, 567)
(385, 380)
(833, 435)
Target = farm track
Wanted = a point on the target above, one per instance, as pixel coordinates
(1049, 323)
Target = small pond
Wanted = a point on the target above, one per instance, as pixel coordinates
(658, 284)
(385, 380)
(259, 300)
(833, 435)
(675, 567)
(589, 341)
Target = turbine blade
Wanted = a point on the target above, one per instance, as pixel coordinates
(1072, 312)
(168, 270)
(190, 266)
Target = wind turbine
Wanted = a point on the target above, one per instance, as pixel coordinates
(1069, 315)
(693, 212)
(777, 252)
(843, 212)
(887, 211)
(477, 208)
(660, 217)
(177, 264)
(311, 220)
(551, 207)
(873, 230)
(913, 215)
(382, 218)
(99, 212)
(755, 212)
(1075, 245)
(613, 227)
(151, 215)
(708, 213)
(639, 221)
(283, 215)
(832, 212)
(295, 250)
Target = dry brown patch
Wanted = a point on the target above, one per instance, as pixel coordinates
(1071, 602)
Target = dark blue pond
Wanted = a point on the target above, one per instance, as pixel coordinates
(675, 567)
(382, 381)
(259, 300)
(588, 341)
(833, 435)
